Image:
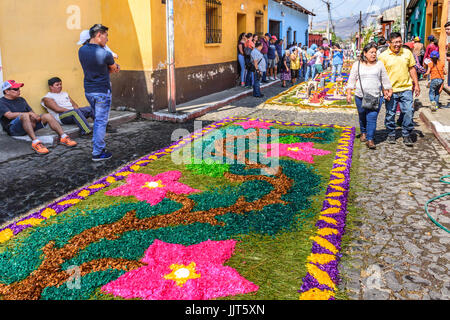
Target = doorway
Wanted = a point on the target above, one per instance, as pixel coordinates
(241, 23)
(275, 28)
(259, 25)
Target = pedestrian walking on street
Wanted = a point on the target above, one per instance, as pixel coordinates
(273, 58)
(370, 79)
(418, 49)
(447, 31)
(249, 75)
(285, 68)
(265, 49)
(295, 66)
(382, 46)
(399, 63)
(433, 46)
(259, 67)
(97, 64)
(310, 71)
(304, 62)
(338, 61)
(436, 70)
(241, 57)
(318, 65)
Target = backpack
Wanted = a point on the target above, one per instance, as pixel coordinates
(247, 58)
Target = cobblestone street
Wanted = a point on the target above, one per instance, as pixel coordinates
(394, 251)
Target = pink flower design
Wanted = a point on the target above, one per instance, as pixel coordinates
(303, 151)
(177, 272)
(152, 189)
(254, 124)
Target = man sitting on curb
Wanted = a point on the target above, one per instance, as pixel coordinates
(61, 106)
(18, 119)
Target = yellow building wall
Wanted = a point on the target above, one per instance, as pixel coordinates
(190, 31)
(38, 41)
(440, 31)
(130, 32)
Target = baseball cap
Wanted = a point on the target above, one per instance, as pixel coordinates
(274, 38)
(430, 38)
(417, 39)
(84, 36)
(434, 54)
(11, 84)
(410, 44)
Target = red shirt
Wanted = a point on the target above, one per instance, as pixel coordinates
(430, 48)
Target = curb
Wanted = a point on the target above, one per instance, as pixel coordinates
(436, 127)
(164, 115)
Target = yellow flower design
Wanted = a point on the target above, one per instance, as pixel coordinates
(317, 294)
(181, 273)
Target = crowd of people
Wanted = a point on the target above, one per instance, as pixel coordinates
(97, 60)
(265, 59)
(388, 72)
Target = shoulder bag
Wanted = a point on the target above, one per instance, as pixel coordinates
(369, 102)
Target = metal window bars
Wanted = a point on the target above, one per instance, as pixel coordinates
(213, 21)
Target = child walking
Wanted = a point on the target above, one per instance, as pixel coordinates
(436, 70)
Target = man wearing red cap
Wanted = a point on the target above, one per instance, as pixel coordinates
(18, 119)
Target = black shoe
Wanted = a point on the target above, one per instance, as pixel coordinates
(408, 141)
(391, 140)
(110, 129)
(105, 155)
(260, 96)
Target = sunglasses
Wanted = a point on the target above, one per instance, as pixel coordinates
(14, 89)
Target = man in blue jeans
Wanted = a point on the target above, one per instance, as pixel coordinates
(97, 64)
(399, 65)
(260, 66)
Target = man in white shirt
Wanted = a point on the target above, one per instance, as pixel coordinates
(319, 55)
(61, 106)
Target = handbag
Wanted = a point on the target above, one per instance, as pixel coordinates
(369, 102)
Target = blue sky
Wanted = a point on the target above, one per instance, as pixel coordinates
(344, 8)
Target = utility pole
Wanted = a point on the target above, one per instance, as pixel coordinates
(170, 33)
(402, 28)
(360, 33)
(327, 3)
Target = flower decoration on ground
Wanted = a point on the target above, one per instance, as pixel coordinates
(152, 189)
(303, 151)
(253, 124)
(177, 272)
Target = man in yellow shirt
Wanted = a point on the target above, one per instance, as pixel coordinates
(399, 65)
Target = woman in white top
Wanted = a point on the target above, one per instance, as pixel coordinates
(372, 76)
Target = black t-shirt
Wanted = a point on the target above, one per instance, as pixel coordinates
(95, 61)
(16, 105)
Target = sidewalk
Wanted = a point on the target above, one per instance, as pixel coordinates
(199, 107)
(20, 146)
(438, 122)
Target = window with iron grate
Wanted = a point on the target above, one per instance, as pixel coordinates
(213, 21)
